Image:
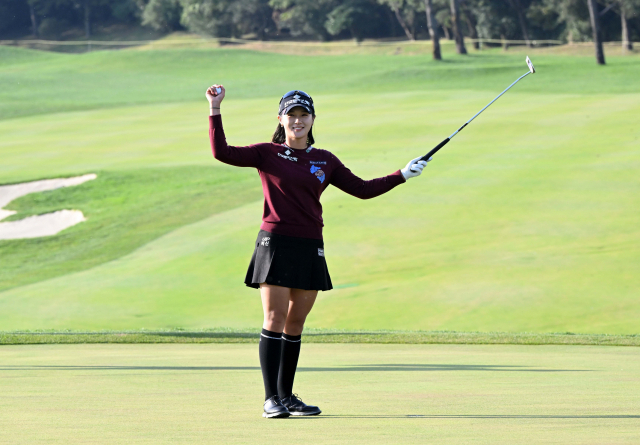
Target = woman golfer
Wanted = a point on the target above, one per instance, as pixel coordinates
(288, 263)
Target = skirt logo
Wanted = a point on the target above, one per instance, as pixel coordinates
(320, 252)
(265, 241)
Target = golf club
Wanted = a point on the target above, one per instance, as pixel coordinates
(443, 143)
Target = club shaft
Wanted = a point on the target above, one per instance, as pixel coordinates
(443, 143)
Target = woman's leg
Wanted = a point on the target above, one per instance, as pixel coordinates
(300, 304)
(275, 303)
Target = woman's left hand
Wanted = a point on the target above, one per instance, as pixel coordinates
(414, 168)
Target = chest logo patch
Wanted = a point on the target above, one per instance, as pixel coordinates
(319, 173)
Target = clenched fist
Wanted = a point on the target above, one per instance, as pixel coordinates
(215, 94)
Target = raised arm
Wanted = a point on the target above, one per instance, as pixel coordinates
(250, 156)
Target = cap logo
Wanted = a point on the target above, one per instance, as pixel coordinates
(295, 101)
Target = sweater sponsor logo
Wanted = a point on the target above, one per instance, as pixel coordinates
(290, 158)
(320, 252)
(318, 162)
(319, 173)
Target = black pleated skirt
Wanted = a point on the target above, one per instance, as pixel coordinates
(288, 261)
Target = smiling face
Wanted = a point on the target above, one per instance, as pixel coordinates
(297, 123)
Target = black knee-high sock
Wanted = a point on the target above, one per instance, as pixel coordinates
(270, 350)
(288, 364)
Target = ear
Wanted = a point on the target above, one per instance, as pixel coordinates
(280, 120)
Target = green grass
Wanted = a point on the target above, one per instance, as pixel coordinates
(221, 335)
(369, 394)
(41, 82)
(170, 197)
(527, 222)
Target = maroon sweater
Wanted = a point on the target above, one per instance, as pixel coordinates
(294, 179)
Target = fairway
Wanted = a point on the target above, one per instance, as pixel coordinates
(526, 222)
(369, 394)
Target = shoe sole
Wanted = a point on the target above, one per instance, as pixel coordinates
(276, 415)
(315, 413)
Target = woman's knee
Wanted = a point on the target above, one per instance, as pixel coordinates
(275, 320)
(294, 326)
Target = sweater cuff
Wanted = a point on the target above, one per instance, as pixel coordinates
(399, 173)
(215, 121)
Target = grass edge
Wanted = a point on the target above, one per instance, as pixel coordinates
(230, 335)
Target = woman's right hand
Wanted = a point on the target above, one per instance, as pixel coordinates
(215, 94)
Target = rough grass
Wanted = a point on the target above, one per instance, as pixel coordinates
(124, 211)
(316, 336)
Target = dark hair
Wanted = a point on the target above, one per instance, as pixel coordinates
(280, 137)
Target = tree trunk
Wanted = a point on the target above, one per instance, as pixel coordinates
(473, 31)
(34, 20)
(523, 23)
(446, 33)
(407, 31)
(433, 29)
(595, 28)
(87, 19)
(627, 45)
(505, 44)
(455, 23)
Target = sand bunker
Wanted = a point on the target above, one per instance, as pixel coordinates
(39, 225)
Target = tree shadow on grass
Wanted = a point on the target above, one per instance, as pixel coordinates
(397, 367)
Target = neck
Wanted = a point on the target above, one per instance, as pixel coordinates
(297, 143)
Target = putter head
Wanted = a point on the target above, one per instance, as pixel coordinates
(530, 65)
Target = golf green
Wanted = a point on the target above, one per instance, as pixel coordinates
(369, 394)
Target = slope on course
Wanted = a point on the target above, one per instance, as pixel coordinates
(369, 394)
(527, 221)
(37, 82)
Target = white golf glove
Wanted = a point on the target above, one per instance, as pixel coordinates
(414, 168)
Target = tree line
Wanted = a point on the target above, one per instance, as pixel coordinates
(525, 20)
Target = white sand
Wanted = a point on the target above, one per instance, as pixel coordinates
(39, 225)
